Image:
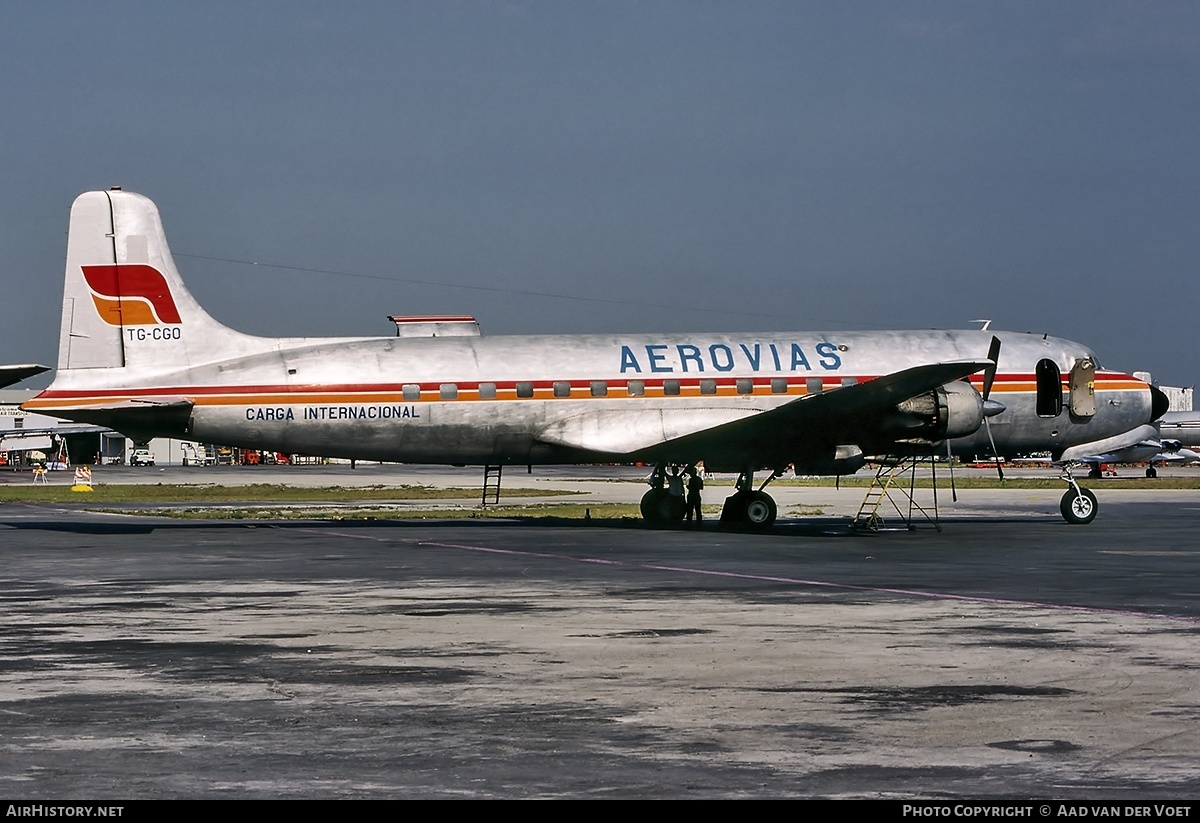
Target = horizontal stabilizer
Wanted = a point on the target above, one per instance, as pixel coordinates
(15, 374)
(136, 419)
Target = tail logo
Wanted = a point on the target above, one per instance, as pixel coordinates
(131, 295)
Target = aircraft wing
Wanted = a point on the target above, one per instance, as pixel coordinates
(1180, 455)
(878, 396)
(724, 432)
(15, 374)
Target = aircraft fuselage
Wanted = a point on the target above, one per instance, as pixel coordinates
(502, 399)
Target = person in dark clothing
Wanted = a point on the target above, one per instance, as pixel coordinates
(694, 485)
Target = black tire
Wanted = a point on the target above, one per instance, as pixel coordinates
(1078, 509)
(660, 508)
(759, 512)
(1151, 472)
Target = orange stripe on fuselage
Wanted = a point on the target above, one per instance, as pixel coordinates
(213, 396)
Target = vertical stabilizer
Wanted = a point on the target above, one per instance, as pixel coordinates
(124, 303)
(87, 340)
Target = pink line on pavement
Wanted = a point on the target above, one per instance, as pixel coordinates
(797, 581)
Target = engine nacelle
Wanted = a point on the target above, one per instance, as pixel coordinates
(843, 460)
(953, 410)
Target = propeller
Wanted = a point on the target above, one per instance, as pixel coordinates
(989, 374)
(992, 407)
(950, 463)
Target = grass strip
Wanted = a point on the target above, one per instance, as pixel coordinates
(254, 493)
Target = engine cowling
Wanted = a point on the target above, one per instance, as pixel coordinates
(845, 459)
(950, 411)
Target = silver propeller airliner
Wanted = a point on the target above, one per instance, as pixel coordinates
(139, 354)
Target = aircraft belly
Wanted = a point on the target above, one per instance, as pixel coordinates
(462, 432)
(450, 432)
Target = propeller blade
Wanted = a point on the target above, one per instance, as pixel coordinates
(989, 374)
(950, 463)
(987, 424)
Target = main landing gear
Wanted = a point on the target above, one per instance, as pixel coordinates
(1078, 506)
(660, 508)
(663, 507)
(750, 509)
(745, 509)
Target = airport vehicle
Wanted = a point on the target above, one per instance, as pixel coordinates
(196, 454)
(138, 353)
(141, 457)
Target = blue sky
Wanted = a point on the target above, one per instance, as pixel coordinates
(625, 166)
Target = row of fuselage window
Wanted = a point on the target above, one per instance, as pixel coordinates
(633, 388)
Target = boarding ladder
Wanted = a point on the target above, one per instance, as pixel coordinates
(895, 481)
(491, 485)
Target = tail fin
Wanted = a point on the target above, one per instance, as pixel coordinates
(124, 303)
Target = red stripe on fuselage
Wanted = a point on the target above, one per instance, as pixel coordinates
(1021, 382)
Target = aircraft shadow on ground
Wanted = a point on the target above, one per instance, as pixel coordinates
(799, 527)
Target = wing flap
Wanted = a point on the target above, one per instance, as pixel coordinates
(634, 430)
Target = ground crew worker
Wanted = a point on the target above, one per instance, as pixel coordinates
(695, 484)
(675, 482)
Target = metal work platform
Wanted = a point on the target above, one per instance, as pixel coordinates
(895, 483)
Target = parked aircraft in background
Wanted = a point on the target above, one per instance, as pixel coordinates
(1181, 428)
(15, 374)
(137, 353)
(1182, 456)
(1163, 441)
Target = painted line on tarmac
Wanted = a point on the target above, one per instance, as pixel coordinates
(795, 581)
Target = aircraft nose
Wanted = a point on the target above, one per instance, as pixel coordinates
(1159, 403)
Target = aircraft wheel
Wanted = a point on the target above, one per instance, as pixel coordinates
(661, 508)
(1151, 472)
(1078, 509)
(760, 511)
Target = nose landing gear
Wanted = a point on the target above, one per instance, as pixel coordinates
(1078, 506)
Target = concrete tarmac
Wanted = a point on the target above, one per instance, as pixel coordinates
(1008, 656)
